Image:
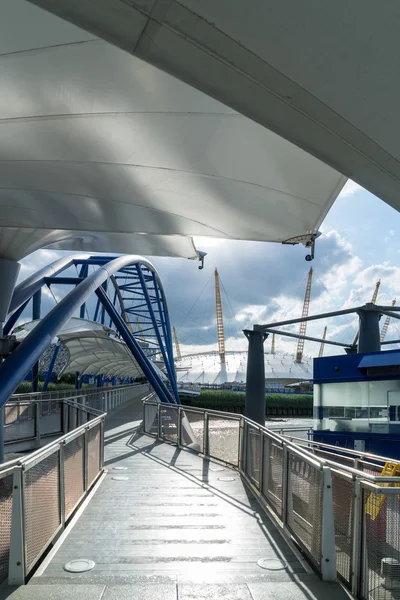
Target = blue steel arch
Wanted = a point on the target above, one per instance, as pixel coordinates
(124, 287)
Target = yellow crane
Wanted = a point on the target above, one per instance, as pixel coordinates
(373, 300)
(386, 324)
(177, 347)
(139, 327)
(303, 324)
(220, 320)
(321, 350)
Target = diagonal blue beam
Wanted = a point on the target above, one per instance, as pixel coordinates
(15, 366)
(148, 369)
(159, 339)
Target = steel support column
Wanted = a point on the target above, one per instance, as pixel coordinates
(370, 337)
(255, 379)
(36, 314)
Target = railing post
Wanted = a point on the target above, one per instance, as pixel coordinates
(241, 440)
(285, 485)
(102, 425)
(86, 456)
(328, 547)
(37, 424)
(17, 556)
(244, 447)
(357, 537)
(261, 462)
(159, 421)
(65, 417)
(179, 436)
(266, 466)
(206, 435)
(61, 488)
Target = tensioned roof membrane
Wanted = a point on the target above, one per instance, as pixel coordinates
(91, 348)
(207, 368)
(323, 75)
(100, 151)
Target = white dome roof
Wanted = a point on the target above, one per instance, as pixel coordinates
(207, 368)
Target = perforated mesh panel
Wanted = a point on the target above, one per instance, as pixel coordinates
(343, 494)
(150, 419)
(20, 420)
(380, 563)
(197, 425)
(169, 420)
(51, 421)
(6, 486)
(74, 473)
(224, 439)
(304, 514)
(253, 454)
(72, 417)
(273, 473)
(42, 506)
(93, 466)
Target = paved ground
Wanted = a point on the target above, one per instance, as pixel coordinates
(167, 525)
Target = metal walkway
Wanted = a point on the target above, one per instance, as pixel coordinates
(165, 524)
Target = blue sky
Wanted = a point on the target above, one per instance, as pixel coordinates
(266, 282)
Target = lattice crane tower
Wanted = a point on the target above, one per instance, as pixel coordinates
(220, 319)
(177, 347)
(386, 324)
(321, 350)
(303, 324)
(140, 330)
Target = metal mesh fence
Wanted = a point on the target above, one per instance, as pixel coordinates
(253, 436)
(94, 454)
(196, 422)
(72, 418)
(343, 496)
(19, 421)
(150, 419)
(42, 506)
(304, 511)
(74, 473)
(273, 475)
(169, 420)
(51, 421)
(380, 557)
(6, 486)
(224, 439)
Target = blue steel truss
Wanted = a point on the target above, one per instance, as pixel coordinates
(124, 293)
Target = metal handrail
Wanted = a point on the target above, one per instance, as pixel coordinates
(356, 453)
(21, 562)
(69, 392)
(255, 457)
(308, 456)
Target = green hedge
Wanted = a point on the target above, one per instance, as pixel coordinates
(219, 398)
(26, 387)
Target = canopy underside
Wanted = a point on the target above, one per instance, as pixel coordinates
(100, 151)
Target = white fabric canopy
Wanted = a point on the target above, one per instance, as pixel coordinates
(97, 145)
(324, 75)
(91, 350)
(207, 368)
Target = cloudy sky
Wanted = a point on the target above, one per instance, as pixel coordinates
(266, 282)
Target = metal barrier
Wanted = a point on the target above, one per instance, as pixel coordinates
(40, 492)
(31, 419)
(321, 499)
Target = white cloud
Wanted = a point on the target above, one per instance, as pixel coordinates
(350, 189)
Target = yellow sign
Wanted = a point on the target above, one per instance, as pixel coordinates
(376, 501)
